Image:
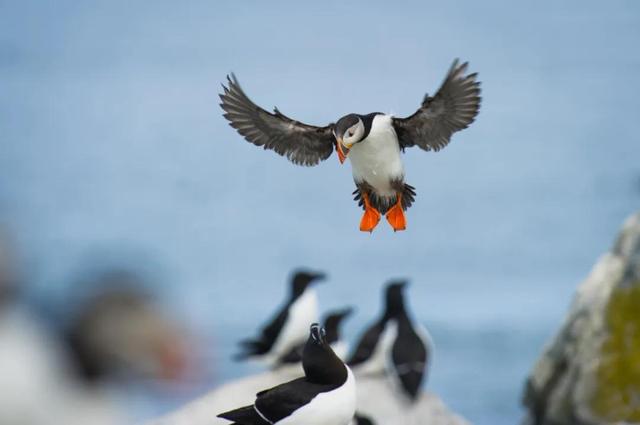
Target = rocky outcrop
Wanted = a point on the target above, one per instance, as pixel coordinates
(376, 399)
(590, 372)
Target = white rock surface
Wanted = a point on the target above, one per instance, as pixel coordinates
(376, 399)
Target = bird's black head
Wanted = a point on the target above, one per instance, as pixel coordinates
(302, 279)
(332, 323)
(348, 127)
(348, 131)
(394, 298)
(320, 363)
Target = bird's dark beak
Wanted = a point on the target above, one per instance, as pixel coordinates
(318, 277)
(403, 283)
(342, 150)
(317, 333)
(345, 312)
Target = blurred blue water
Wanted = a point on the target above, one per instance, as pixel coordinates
(112, 146)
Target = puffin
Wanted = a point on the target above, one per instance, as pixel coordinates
(395, 346)
(372, 142)
(331, 324)
(325, 395)
(69, 375)
(289, 326)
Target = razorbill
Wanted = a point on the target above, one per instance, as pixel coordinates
(394, 346)
(325, 395)
(331, 324)
(289, 326)
(372, 141)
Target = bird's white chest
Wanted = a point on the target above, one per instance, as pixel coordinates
(335, 407)
(376, 159)
(302, 313)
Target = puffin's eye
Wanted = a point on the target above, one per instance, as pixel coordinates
(349, 133)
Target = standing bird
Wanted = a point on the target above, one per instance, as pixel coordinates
(394, 345)
(331, 325)
(373, 141)
(326, 395)
(289, 326)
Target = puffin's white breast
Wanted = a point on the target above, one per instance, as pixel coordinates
(376, 159)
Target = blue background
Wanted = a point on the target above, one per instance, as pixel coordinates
(113, 150)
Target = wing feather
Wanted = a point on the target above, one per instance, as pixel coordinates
(283, 400)
(453, 108)
(301, 143)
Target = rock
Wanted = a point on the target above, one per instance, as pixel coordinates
(234, 394)
(590, 372)
(376, 399)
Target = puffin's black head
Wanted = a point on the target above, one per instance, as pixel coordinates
(302, 279)
(320, 363)
(394, 298)
(332, 323)
(348, 131)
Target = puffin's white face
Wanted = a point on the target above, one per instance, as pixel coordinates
(353, 134)
(348, 131)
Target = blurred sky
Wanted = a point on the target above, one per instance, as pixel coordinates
(113, 149)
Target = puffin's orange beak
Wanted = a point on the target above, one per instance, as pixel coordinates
(342, 151)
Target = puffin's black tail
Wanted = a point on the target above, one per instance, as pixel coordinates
(383, 204)
(244, 416)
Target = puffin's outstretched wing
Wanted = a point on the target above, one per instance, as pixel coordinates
(452, 109)
(301, 143)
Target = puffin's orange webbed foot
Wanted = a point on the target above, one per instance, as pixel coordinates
(370, 220)
(395, 216)
(371, 216)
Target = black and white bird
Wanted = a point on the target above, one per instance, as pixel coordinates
(394, 346)
(325, 395)
(289, 326)
(373, 142)
(331, 324)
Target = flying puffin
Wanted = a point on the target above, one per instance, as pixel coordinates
(331, 324)
(325, 395)
(395, 346)
(289, 327)
(373, 142)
